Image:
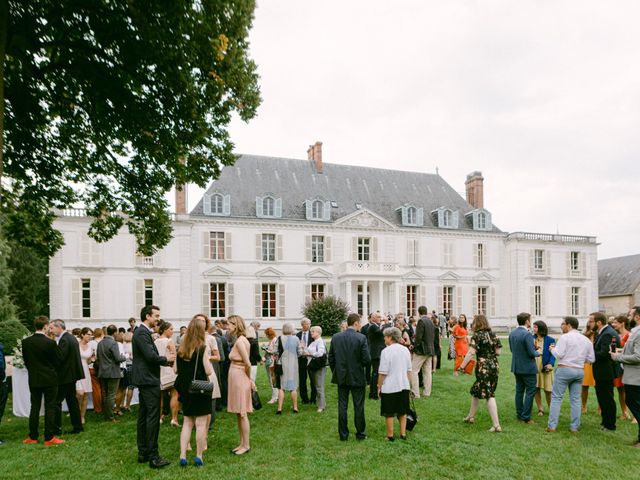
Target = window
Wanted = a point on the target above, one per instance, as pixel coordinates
(575, 262)
(268, 207)
(537, 300)
(216, 245)
(317, 249)
(148, 292)
(317, 210)
(268, 247)
(482, 221)
(538, 260)
(413, 252)
(364, 251)
(317, 291)
(361, 309)
(446, 218)
(480, 256)
(412, 300)
(411, 215)
(269, 300)
(575, 301)
(86, 297)
(217, 204)
(447, 300)
(217, 302)
(447, 254)
(482, 301)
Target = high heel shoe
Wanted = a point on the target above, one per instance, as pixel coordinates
(278, 412)
(469, 419)
(183, 462)
(198, 462)
(496, 429)
(175, 424)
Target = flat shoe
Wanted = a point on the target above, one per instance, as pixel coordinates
(469, 419)
(237, 452)
(540, 413)
(497, 429)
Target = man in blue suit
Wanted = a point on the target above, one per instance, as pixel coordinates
(523, 366)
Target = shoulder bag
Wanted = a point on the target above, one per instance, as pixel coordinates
(199, 387)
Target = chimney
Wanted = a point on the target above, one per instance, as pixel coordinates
(314, 152)
(181, 195)
(474, 184)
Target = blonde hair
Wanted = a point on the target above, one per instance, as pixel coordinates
(316, 328)
(240, 327)
(194, 338)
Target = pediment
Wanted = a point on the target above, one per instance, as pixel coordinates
(413, 275)
(217, 271)
(483, 277)
(365, 218)
(318, 273)
(449, 276)
(270, 272)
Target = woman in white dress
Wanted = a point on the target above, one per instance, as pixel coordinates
(83, 386)
(165, 344)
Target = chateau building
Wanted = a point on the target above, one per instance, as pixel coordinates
(272, 233)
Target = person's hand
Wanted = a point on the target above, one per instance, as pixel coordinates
(171, 356)
(253, 386)
(552, 346)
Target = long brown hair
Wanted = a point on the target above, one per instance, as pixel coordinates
(480, 323)
(194, 338)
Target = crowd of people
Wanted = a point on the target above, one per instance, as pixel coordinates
(213, 365)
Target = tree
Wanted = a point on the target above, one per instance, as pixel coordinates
(327, 312)
(111, 104)
(8, 311)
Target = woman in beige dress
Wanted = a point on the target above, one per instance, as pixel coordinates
(240, 383)
(165, 344)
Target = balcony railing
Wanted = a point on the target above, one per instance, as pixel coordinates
(549, 237)
(368, 268)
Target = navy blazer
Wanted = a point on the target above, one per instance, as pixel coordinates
(375, 338)
(604, 369)
(146, 360)
(348, 356)
(547, 358)
(523, 352)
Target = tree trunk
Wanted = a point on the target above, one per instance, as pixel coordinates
(4, 23)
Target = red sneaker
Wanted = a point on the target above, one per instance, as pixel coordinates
(54, 441)
(29, 441)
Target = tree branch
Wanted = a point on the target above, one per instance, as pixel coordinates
(4, 24)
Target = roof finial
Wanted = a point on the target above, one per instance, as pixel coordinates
(437, 171)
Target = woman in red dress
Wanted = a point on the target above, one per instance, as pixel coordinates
(461, 342)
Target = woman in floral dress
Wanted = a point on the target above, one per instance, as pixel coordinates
(486, 346)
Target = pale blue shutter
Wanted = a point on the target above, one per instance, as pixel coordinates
(309, 205)
(226, 205)
(259, 207)
(326, 214)
(420, 217)
(278, 208)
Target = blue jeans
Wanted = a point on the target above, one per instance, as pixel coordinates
(571, 378)
(525, 391)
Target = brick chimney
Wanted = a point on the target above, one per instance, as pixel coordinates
(474, 184)
(314, 152)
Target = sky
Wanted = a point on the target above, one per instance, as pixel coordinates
(543, 97)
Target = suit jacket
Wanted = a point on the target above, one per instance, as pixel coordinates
(630, 357)
(425, 333)
(3, 365)
(109, 358)
(302, 358)
(523, 352)
(70, 369)
(41, 357)
(375, 338)
(348, 357)
(146, 360)
(604, 369)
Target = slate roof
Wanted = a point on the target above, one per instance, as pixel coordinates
(619, 276)
(380, 190)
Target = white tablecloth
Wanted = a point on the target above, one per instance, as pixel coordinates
(22, 396)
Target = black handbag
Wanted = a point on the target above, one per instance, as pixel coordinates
(199, 387)
(255, 400)
(412, 417)
(317, 363)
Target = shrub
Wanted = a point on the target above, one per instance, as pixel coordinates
(327, 312)
(11, 332)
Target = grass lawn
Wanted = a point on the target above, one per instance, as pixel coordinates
(307, 446)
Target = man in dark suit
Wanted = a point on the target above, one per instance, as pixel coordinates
(108, 358)
(375, 339)
(348, 357)
(69, 372)
(146, 376)
(304, 336)
(604, 369)
(41, 357)
(523, 366)
(423, 353)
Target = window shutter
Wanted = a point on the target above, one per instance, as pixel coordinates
(227, 246)
(326, 213)
(568, 262)
(206, 245)
(374, 249)
(547, 262)
(416, 251)
(492, 301)
(279, 248)
(485, 255)
(281, 310)
(420, 217)
(404, 216)
(474, 291)
(583, 301)
(403, 300)
(258, 299)
(454, 219)
(158, 294)
(96, 298)
(139, 295)
(226, 205)
(583, 263)
(440, 301)
(229, 308)
(309, 209)
(354, 248)
(543, 310)
(206, 204)
(307, 248)
(76, 298)
(278, 208)
(307, 292)
(327, 249)
(329, 289)
(96, 252)
(411, 257)
(206, 298)
(258, 247)
(532, 261)
(440, 217)
(475, 255)
(458, 292)
(85, 253)
(423, 296)
(259, 207)
(532, 300)
(568, 297)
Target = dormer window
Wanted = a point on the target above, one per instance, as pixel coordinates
(318, 210)
(446, 217)
(480, 219)
(217, 204)
(268, 206)
(411, 216)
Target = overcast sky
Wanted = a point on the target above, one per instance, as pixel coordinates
(541, 96)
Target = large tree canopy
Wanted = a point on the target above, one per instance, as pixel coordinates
(110, 103)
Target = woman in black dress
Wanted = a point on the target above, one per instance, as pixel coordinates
(193, 355)
(486, 346)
